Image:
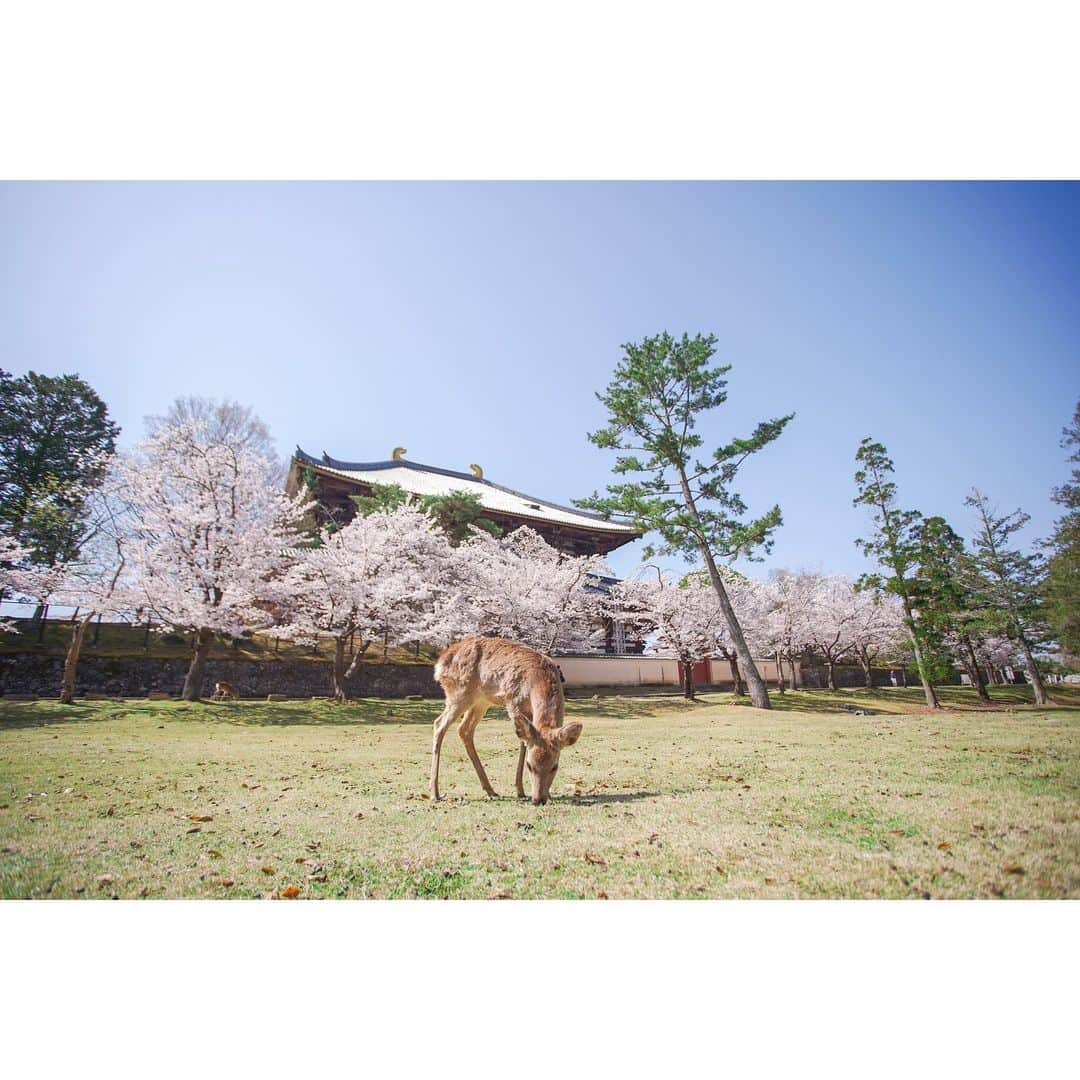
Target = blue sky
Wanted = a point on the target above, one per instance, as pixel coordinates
(473, 322)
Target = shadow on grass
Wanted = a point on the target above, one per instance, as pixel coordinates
(600, 800)
(902, 701)
(323, 713)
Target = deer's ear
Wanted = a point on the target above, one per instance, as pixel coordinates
(524, 729)
(568, 735)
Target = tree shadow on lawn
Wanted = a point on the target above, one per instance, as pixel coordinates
(600, 800)
(626, 707)
(324, 713)
(901, 701)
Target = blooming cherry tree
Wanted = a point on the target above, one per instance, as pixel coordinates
(95, 581)
(387, 574)
(213, 534)
(519, 587)
(877, 629)
(687, 619)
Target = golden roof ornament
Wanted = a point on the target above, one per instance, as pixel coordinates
(477, 471)
(398, 453)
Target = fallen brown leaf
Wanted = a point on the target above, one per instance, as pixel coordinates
(594, 859)
(290, 892)
(1014, 869)
(269, 870)
(200, 817)
(944, 845)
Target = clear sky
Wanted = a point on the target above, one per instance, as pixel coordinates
(473, 322)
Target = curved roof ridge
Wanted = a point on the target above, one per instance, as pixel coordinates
(376, 466)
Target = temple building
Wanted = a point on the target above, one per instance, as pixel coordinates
(574, 531)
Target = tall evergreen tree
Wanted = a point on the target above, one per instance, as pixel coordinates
(895, 545)
(1061, 589)
(1012, 582)
(660, 389)
(55, 438)
(945, 598)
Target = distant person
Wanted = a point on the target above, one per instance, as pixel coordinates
(892, 677)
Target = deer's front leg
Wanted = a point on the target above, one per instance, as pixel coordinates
(442, 722)
(520, 773)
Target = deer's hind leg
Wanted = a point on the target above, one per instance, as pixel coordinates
(454, 708)
(467, 731)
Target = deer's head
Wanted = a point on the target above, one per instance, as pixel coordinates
(542, 749)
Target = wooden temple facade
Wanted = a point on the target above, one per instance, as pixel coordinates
(573, 531)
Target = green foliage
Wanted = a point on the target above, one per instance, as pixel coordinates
(1061, 587)
(942, 593)
(55, 435)
(1010, 580)
(660, 389)
(384, 499)
(896, 544)
(456, 513)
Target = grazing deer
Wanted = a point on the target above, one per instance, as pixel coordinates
(224, 691)
(478, 672)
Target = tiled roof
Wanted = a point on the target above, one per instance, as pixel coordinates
(429, 480)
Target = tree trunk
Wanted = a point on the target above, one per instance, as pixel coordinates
(688, 680)
(341, 683)
(71, 661)
(971, 666)
(736, 677)
(928, 686)
(864, 663)
(197, 672)
(779, 672)
(1037, 683)
(829, 667)
(791, 664)
(759, 695)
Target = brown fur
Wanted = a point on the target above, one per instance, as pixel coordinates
(224, 691)
(479, 672)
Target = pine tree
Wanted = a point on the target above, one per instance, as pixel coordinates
(659, 391)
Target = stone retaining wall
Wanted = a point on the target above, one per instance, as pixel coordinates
(137, 676)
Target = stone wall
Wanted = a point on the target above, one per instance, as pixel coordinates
(817, 678)
(137, 676)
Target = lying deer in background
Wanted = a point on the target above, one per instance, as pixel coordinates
(479, 672)
(224, 691)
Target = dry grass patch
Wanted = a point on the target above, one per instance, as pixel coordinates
(660, 798)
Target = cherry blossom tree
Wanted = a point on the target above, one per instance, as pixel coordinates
(789, 598)
(830, 619)
(519, 587)
(95, 581)
(687, 619)
(20, 578)
(877, 629)
(385, 575)
(213, 534)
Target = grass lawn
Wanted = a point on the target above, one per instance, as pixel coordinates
(659, 798)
